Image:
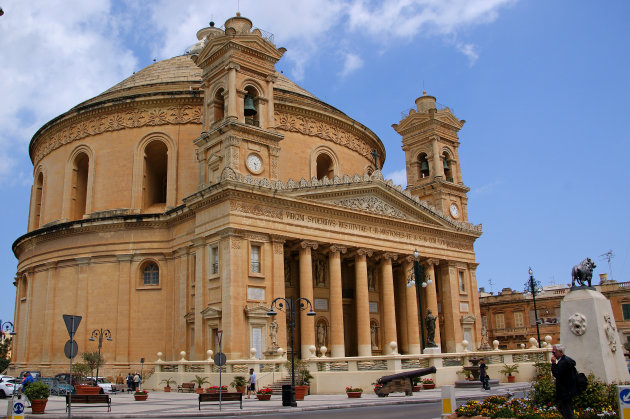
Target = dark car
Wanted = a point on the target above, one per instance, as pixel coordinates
(34, 374)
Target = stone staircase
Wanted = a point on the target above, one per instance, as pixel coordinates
(277, 385)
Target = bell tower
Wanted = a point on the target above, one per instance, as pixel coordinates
(430, 143)
(238, 76)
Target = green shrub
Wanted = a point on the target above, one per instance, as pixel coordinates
(37, 391)
(543, 392)
(598, 396)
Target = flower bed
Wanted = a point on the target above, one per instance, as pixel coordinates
(264, 393)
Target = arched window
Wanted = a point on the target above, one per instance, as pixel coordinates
(155, 174)
(251, 106)
(80, 170)
(325, 166)
(37, 200)
(150, 274)
(448, 171)
(423, 164)
(219, 106)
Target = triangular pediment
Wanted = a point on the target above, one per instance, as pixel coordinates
(244, 42)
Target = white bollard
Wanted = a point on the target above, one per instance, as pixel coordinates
(448, 400)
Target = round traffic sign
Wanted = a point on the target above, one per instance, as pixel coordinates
(219, 359)
(71, 348)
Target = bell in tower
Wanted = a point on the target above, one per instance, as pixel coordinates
(249, 109)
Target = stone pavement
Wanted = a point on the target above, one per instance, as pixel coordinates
(169, 405)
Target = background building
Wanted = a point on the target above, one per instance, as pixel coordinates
(183, 200)
(509, 316)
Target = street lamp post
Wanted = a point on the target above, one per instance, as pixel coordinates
(291, 306)
(6, 326)
(533, 289)
(416, 280)
(100, 333)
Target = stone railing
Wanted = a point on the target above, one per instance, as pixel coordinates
(332, 375)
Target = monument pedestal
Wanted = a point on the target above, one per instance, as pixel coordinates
(589, 335)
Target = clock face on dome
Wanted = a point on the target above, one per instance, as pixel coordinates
(454, 210)
(254, 163)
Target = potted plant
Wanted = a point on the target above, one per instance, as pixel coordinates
(200, 382)
(508, 370)
(428, 383)
(302, 378)
(467, 374)
(239, 383)
(264, 393)
(417, 383)
(168, 382)
(37, 392)
(354, 392)
(377, 387)
(140, 395)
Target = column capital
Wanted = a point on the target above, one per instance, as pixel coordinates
(308, 244)
(472, 266)
(410, 258)
(432, 262)
(198, 241)
(276, 238)
(272, 78)
(335, 248)
(388, 256)
(363, 252)
(232, 66)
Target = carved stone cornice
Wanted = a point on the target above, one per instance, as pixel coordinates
(311, 126)
(113, 118)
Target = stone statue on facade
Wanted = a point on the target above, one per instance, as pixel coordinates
(583, 273)
(430, 324)
(273, 333)
(321, 335)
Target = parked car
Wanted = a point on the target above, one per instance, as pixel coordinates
(35, 374)
(106, 386)
(56, 388)
(8, 385)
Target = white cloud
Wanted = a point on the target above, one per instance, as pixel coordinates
(399, 177)
(351, 62)
(470, 51)
(487, 188)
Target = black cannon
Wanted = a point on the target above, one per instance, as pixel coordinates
(401, 381)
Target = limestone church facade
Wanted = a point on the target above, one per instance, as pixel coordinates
(183, 200)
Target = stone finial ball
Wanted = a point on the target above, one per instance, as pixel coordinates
(159, 355)
(323, 350)
(252, 352)
(522, 345)
(209, 353)
(465, 345)
(533, 342)
(280, 351)
(183, 355)
(394, 345)
(312, 350)
(548, 339)
(495, 345)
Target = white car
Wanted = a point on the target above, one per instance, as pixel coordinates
(8, 385)
(104, 384)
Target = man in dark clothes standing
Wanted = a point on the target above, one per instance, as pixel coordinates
(483, 375)
(563, 370)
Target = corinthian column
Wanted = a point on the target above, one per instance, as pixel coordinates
(363, 303)
(337, 346)
(232, 68)
(413, 331)
(307, 324)
(389, 305)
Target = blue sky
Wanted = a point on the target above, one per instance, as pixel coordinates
(543, 86)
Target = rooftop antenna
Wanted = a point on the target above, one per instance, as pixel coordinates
(608, 256)
(489, 280)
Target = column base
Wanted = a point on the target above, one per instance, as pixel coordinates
(414, 349)
(432, 351)
(365, 350)
(337, 351)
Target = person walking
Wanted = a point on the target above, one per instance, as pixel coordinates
(251, 382)
(136, 382)
(483, 375)
(26, 380)
(563, 370)
(129, 382)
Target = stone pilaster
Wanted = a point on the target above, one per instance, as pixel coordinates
(199, 347)
(123, 310)
(337, 345)
(278, 287)
(232, 68)
(307, 324)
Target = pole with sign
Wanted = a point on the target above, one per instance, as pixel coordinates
(219, 360)
(71, 348)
